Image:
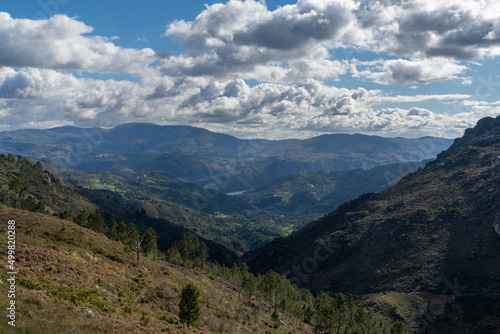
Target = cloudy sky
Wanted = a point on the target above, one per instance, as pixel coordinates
(268, 69)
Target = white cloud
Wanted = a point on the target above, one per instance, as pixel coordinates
(423, 28)
(41, 98)
(288, 51)
(60, 43)
(246, 39)
(401, 71)
(244, 36)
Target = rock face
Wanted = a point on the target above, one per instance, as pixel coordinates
(440, 224)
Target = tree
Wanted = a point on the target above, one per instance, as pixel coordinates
(38, 167)
(272, 284)
(187, 247)
(322, 312)
(276, 318)
(173, 254)
(201, 252)
(399, 328)
(95, 222)
(248, 284)
(113, 231)
(149, 241)
(340, 304)
(192, 249)
(129, 234)
(16, 186)
(189, 309)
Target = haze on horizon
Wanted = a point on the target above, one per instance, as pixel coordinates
(252, 69)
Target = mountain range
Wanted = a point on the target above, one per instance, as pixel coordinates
(212, 159)
(182, 173)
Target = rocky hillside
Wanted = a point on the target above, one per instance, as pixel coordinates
(438, 225)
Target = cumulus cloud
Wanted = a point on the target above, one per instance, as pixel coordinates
(244, 37)
(288, 53)
(417, 28)
(60, 43)
(41, 98)
(401, 71)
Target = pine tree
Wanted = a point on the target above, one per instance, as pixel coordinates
(113, 231)
(131, 236)
(16, 186)
(149, 241)
(275, 317)
(272, 284)
(248, 284)
(201, 252)
(192, 249)
(340, 304)
(399, 328)
(189, 310)
(187, 247)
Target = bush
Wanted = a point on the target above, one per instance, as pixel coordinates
(127, 309)
(170, 320)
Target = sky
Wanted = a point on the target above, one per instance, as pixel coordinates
(254, 69)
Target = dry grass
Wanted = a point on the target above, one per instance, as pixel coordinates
(63, 267)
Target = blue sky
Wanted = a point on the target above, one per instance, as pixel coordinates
(268, 69)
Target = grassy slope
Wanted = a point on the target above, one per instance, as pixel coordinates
(65, 255)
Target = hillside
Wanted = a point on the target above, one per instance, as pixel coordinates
(64, 267)
(206, 158)
(73, 280)
(241, 222)
(29, 186)
(438, 225)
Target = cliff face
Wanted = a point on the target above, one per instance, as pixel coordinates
(439, 224)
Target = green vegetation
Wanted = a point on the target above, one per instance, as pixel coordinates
(432, 237)
(241, 222)
(191, 249)
(26, 186)
(205, 211)
(189, 310)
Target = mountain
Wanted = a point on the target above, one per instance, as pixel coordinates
(306, 195)
(207, 212)
(211, 159)
(438, 225)
(70, 279)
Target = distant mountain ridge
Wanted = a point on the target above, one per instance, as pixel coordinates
(197, 155)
